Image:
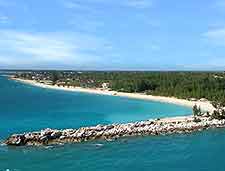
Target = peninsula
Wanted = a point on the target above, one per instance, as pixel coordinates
(181, 88)
(206, 114)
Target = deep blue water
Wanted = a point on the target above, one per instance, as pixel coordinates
(25, 108)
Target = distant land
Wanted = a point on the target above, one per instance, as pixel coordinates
(203, 91)
(180, 84)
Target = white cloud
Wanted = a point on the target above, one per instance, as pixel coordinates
(217, 62)
(216, 33)
(86, 23)
(216, 36)
(5, 3)
(219, 4)
(155, 47)
(4, 19)
(69, 4)
(20, 48)
(41, 47)
(89, 15)
(141, 4)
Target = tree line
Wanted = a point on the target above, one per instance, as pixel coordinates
(209, 85)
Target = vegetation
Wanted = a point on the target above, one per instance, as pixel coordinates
(197, 119)
(219, 113)
(197, 111)
(54, 77)
(188, 85)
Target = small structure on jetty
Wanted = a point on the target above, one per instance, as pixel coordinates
(108, 132)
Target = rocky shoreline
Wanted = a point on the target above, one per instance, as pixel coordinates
(176, 125)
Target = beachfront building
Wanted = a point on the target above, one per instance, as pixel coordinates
(105, 86)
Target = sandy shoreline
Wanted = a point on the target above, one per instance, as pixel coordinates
(206, 106)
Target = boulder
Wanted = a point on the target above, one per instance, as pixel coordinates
(16, 140)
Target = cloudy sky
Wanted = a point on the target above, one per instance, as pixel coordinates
(112, 34)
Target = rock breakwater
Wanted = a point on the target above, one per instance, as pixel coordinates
(109, 132)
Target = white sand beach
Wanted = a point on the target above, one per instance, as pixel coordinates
(204, 105)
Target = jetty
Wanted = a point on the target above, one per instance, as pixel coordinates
(166, 126)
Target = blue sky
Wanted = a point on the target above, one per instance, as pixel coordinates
(112, 34)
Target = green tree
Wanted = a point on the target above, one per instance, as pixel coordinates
(54, 77)
(196, 110)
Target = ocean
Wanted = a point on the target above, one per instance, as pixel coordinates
(27, 108)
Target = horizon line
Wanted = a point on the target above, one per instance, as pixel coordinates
(113, 70)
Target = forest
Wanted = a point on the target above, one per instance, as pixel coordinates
(187, 85)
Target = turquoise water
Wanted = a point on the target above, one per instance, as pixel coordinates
(27, 108)
(24, 108)
(203, 151)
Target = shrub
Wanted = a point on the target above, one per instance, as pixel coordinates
(197, 119)
(218, 114)
(197, 111)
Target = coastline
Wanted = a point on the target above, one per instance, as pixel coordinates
(152, 127)
(205, 106)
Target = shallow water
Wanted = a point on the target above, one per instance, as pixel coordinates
(24, 108)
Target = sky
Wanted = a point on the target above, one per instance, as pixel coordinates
(112, 34)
